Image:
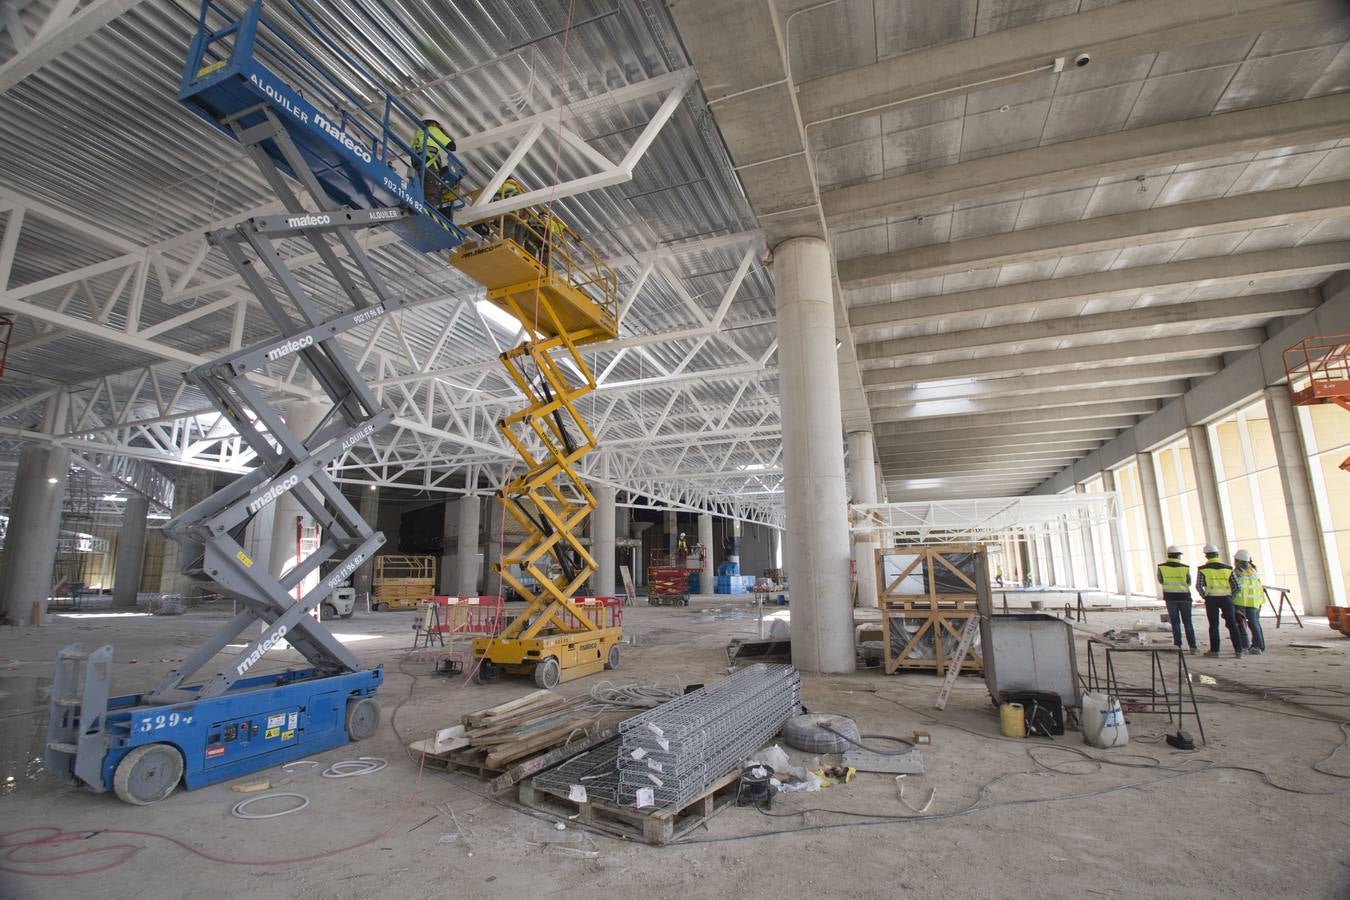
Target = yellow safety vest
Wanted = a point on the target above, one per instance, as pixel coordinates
(1215, 576)
(1249, 592)
(437, 142)
(1174, 578)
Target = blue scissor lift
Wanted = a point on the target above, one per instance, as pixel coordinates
(293, 115)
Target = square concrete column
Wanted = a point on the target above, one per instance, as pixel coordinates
(467, 565)
(603, 534)
(863, 487)
(33, 532)
(290, 519)
(190, 487)
(130, 551)
(1207, 489)
(1153, 515)
(672, 530)
(705, 537)
(814, 489)
(1117, 529)
(1034, 552)
(1304, 529)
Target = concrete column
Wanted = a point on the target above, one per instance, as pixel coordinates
(1034, 551)
(705, 537)
(288, 516)
(492, 548)
(34, 526)
(814, 490)
(605, 580)
(1207, 488)
(672, 530)
(880, 483)
(863, 486)
(777, 551)
(190, 487)
(368, 506)
(130, 550)
(1096, 578)
(1066, 547)
(1309, 555)
(466, 581)
(1153, 515)
(1048, 560)
(1117, 529)
(734, 542)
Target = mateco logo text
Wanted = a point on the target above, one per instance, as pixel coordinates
(308, 221)
(248, 661)
(366, 315)
(359, 436)
(342, 137)
(346, 571)
(289, 347)
(274, 492)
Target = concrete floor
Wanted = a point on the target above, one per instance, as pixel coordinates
(1188, 831)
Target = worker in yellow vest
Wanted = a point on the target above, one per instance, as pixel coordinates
(428, 144)
(1248, 598)
(1175, 578)
(1212, 581)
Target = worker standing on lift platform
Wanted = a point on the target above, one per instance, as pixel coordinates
(427, 145)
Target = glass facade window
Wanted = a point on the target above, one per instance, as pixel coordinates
(1139, 561)
(1326, 433)
(1251, 494)
(1182, 524)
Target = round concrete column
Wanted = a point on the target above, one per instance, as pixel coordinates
(705, 537)
(466, 581)
(34, 526)
(302, 417)
(130, 551)
(602, 541)
(815, 495)
(862, 481)
(492, 551)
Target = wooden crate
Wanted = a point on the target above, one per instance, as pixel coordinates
(935, 590)
(656, 827)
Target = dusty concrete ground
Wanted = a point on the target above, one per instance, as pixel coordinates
(1184, 830)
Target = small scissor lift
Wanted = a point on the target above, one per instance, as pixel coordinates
(142, 745)
(565, 297)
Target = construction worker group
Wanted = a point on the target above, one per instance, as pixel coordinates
(1233, 595)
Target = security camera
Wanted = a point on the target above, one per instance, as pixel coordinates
(1081, 60)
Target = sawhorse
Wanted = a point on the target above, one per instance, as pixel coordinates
(1279, 607)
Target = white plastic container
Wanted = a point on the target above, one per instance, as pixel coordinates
(1104, 722)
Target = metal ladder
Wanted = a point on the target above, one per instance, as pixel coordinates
(958, 659)
(211, 532)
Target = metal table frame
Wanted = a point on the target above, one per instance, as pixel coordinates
(1156, 699)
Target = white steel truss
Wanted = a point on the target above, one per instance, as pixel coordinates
(983, 520)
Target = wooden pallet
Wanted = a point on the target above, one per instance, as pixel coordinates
(469, 760)
(656, 827)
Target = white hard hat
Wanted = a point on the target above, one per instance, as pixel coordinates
(1242, 556)
(1211, 550)
(1173, 550)
(681, 534)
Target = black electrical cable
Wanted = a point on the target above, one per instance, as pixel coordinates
(908, 744)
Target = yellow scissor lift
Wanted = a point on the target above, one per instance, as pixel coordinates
(539, 271)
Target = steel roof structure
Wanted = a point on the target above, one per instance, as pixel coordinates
(1031, 254)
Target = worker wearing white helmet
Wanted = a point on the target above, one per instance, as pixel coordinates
(1248, 597)
(1212, 580)
(1175, 578)
(682, 545)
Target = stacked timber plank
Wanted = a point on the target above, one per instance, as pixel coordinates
(492, 741)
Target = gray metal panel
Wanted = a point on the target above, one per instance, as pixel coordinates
(1030, 652)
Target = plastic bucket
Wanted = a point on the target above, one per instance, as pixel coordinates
(1012, 720)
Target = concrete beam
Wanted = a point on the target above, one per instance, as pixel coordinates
(1172, 143)
(1060, 400)
(1013, 438)
(1238, 383)
(1050, 381)
(1236, 269)
(1113, 32)
(1177, 348)
(977, 453)
(1225, 215)
(1113, 416)
(1130, 323)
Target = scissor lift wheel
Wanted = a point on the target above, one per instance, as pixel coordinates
(613, 661)
(547, 673)
(148, 774)
(363, 717)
